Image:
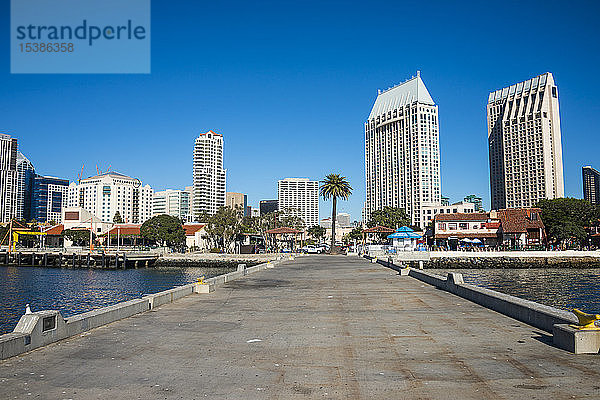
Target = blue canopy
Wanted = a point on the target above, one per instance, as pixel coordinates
(404, 233)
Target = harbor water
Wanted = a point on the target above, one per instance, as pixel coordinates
(73, 291)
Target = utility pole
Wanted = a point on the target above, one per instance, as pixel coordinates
(10, 244)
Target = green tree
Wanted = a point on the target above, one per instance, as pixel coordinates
(79, 237)
(317, 232)
(332, 187)
(290, 217)
(117, 219)
(165, 230)
(567, 218)
(391, 217)
(356, 233)
(223, 227)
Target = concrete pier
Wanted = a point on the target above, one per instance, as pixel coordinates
(317, 327)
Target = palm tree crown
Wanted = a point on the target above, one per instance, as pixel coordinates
(335, 185)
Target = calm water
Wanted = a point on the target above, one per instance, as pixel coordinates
(73, 291)
(561, 288)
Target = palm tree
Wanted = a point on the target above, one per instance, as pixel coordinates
(332, 187)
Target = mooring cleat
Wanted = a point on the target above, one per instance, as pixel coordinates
(586, 321)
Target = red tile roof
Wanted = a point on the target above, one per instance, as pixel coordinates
(379, 229)
(125, 229)
(55, 230)
(456, 217)
(191, 229)
(518, 220)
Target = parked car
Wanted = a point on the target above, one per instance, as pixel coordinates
(310, 249)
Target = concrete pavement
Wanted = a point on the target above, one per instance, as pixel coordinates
(318, 327)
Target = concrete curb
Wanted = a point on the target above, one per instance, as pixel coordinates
(532, 313)
(41, 328)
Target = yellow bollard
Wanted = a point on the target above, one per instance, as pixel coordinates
(586, 321)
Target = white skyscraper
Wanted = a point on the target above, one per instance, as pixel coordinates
(301, 197)
(402, 152)
(8, 177)
(525, 143)
(209, 175)
(172, 202)
(25, 176)
(105, 194)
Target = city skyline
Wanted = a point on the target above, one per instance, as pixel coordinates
(287, 92)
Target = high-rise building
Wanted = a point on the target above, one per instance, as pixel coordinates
(49, 196)
(300, 197)
(172, 202)
(25, 175)
(8, 177)
(402, 157)
(209, 175)
(591, 185)
(476, 201)
(105, 194)
(525, 143)
(268, 206)
(234, 200)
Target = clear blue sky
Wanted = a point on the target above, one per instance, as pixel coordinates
(290, 86)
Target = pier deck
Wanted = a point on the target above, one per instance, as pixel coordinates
(316, 327)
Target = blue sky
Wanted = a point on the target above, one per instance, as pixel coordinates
(290, 85)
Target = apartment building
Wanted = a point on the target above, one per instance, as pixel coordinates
(525, 150)
(402, 156)
(301, 197)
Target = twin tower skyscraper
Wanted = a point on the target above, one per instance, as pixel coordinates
(402, 152)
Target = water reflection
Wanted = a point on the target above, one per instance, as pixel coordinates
(557, 287)
(73, 291)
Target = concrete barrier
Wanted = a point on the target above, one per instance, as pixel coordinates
(92, 319)
(44, 327)
(535, 314)
(168, 296)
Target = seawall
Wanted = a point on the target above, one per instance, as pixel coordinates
(535, 314)
(44, 327)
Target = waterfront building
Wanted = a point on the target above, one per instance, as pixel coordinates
(521, 227)
(512, 228)
(172, 202)
(454, 229)
(25, 175)
(430, 211)
(233, 200)
(49, 196)
(196, 237)
(105, 194)
(591, 185)
(268, 206)
(78, 218)
(299, 196)
(208, 174)
(8, 177)
(525, 150)
(476, 200)
(402, 157)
